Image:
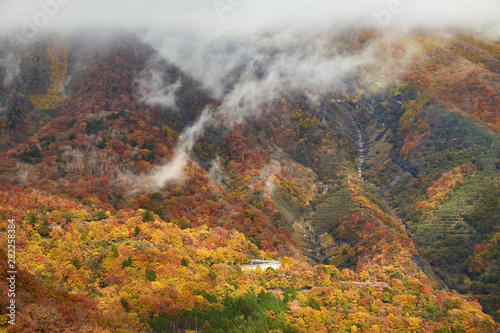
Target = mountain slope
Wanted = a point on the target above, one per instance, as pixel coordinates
(86, 126)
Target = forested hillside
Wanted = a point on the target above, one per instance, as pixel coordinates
(379, 196)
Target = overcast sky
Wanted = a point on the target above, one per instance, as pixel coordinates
(240, 16)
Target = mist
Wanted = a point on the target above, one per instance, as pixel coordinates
(173, 170)
(261, 70)
(248, 53)
(239, 17)
(155, 88)
(10, 60)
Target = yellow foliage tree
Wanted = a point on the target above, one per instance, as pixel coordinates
(55, 95)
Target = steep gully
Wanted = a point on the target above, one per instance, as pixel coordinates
(315, 249)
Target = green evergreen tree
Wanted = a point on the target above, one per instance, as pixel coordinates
(150, 275)
(44, 229)
(147, 216)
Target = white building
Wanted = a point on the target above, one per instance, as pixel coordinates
(262, 264)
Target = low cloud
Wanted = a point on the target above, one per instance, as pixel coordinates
(9, 60)
(187, 140)
(155, 88)
(216, 172)
(266, 68)
(173, 170)
(299, 66)
(269, 173)
(252, 52)
(213, 61)
(248, 75)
